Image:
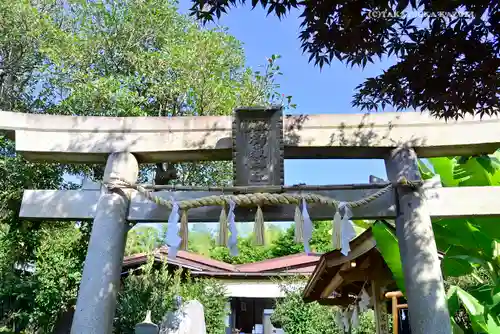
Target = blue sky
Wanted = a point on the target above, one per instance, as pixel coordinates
(315, 92)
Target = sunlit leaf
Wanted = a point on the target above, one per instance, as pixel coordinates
(444, 167)
(461, 232)
(493, 324)
(365, 224)
(425, 171)
(387, 244)
(456, 266)
(452, 299)
(474, 309)
(479, 171)
(455, 327)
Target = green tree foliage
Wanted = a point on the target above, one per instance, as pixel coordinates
(201, 239)
(22, 295)
(447, 51)
(321, 240)
(247, 250)
(143, 239)
(34, 292)
(26, 33)
(58, 267)
(278, 243)
(142, 58)
(154, 289)
(470, 245)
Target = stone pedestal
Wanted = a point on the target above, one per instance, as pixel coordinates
(423, 278)
(147, 326)
(96, 303)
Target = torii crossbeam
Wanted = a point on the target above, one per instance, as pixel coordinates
(257, 140)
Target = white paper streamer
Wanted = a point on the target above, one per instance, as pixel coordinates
(364, 302)
(355, 318)
(345, 320)
(173, 239)
(337, 230)
(338, 319)
(308, 227)
(232, 242)
(347, 229)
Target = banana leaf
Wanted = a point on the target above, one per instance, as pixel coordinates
(478, 171)
(493, 325)
(455, 327)
(455, 267)
(424, 170)
(461, 232)
(387, 244)
(445, 168)
(473, 307)
(479, 310)
(489, 226)
(483, 170)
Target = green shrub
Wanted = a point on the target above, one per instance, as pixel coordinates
(154, 289)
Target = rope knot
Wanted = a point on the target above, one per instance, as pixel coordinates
(403, 181)
(117, 183)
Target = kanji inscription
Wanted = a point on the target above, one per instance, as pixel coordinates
(258, 147)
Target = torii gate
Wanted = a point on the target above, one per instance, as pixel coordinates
(257, 140)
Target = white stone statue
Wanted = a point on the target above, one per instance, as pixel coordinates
(187, 318)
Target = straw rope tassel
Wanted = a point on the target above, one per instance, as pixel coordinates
(184, 232)
(299, 225)
(336, 230)
(258, 227)
(223, 232)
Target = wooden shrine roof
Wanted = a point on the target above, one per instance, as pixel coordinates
(338, 279)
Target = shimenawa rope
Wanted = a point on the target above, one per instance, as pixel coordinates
(254, 199)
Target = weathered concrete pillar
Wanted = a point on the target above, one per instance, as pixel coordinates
(423, 278)
(96, 303)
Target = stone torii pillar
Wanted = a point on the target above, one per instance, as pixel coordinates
(422, 271)
(96, 303)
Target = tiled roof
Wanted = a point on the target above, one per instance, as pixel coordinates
(184, 259)
(291, 264)
(199, 260)
(301, 262)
